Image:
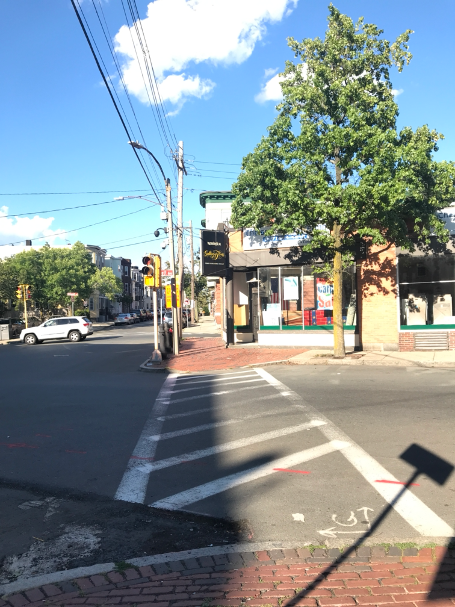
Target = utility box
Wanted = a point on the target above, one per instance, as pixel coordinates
(4, 331)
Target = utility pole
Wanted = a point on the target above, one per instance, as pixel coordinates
(175, 329)
(192, 272)
(180, 233)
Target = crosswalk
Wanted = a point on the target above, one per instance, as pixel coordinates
(245, 427)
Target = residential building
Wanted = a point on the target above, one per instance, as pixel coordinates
(137, 283)
(115, 263)
(126, 279)
(98, 304)
(392, 299)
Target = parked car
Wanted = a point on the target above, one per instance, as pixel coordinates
(142, 315)
(123, 319)
(167, 317)
(135, 316)
(74, 328)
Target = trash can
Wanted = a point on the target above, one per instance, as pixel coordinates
(162, 340)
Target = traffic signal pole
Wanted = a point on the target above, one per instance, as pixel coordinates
(180, 233)
(175, 328)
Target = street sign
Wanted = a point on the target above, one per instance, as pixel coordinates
(168, 296)
(72, 294)
(177, 292)
(166, 273)
(149, 281)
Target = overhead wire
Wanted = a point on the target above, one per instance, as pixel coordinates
(119, 70)
(80, 206)
(81, 228)
(108, 87)
(68, 193)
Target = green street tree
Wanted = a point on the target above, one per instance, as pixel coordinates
(106, 283)
(8, 282)
(333, 165)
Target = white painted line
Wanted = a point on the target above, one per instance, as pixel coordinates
(409, 506)
(214, 408)
(227, 422)
(206, 394)
(179, 500)
(247, 381)
(203, 381)
(133, 485)
(222, 448)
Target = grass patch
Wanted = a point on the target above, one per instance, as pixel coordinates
(312, 547)
(123, 566)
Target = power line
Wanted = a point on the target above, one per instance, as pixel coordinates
(83, 227)
(236, 164)
(68, 193)
(215, 171)
(81, 206)
(114, 57)
(109, 88)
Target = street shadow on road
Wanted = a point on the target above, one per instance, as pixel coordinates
(424, 462)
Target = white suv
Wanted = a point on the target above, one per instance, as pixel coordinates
(74, 328)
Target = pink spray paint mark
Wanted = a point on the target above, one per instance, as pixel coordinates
(19, 445)
(398, 483)
(295, 471)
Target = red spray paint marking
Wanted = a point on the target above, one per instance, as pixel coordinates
(296, 471)
(69, 451)
(137, 457)
(46, 435)
(398, 483)
(18, 445)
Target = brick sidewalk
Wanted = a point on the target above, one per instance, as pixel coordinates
(278, 578)
(207, 354)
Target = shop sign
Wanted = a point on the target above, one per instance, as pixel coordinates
(258, 239)
(214, 247)
(324, 294)
(447, 215)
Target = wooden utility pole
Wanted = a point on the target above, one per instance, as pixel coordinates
(175, 324)
(180, 233)
(193, 303)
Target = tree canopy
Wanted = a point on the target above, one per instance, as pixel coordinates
(333, 165)
(106, 283)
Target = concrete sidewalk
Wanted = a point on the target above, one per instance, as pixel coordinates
(430, 359)
(252, 575)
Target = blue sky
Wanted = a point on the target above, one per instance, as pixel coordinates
(60, 131)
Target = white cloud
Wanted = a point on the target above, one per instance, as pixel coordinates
(396, 92)
(271, 91)
(14, 229)
(218, 32)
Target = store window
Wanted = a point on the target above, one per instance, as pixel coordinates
(427, 291)
(295, 298)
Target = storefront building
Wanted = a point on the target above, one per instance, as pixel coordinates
(392, 300)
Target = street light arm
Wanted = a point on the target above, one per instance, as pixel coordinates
(139, 146)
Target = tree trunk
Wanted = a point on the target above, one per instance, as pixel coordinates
(338, 329)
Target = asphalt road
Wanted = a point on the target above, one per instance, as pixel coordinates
(304, 454)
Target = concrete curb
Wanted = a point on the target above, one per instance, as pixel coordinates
(152, 369)
(244, 555)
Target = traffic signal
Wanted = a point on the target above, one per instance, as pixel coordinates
(148, 270)
(19, 292)
(157, 264)
(28, 293)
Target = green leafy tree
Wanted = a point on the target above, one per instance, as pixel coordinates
(8, 282)
(106, 283)
(333, 165)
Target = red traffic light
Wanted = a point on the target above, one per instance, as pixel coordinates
(147, 270)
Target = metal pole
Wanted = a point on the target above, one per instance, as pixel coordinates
(180, 233)
(24, 290)
(175, 332)
(192, 270)
(72, 306)
(155, 320)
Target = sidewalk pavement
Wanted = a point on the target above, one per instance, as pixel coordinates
(209, 353)
(430, 359)
(226, 577)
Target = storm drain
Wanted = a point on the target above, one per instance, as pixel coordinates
(430, 340)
